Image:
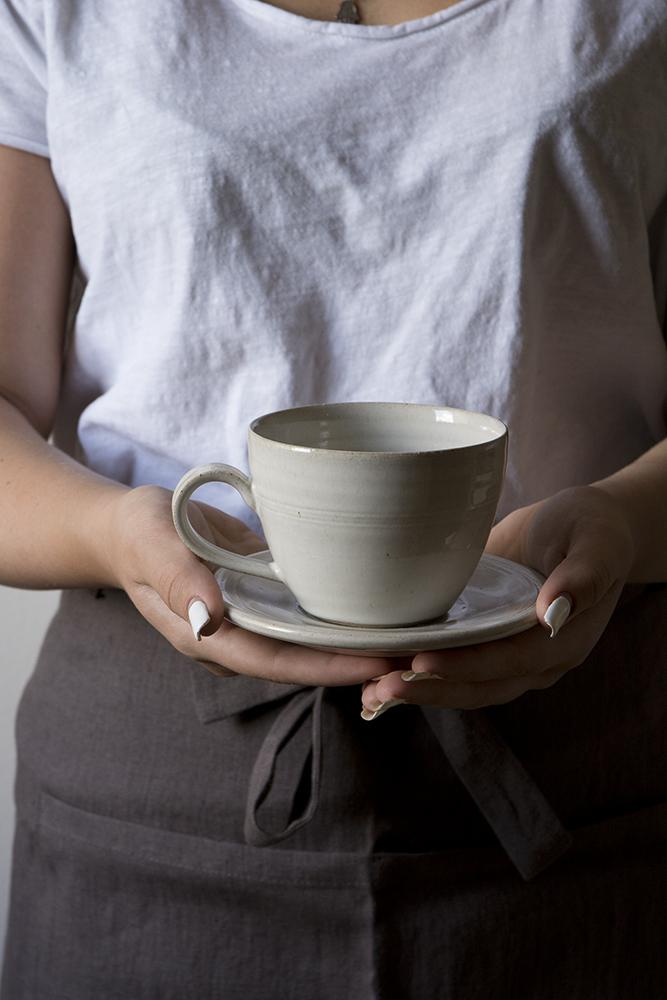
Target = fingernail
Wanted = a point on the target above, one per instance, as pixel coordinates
(410, 675)
(557, 614)
(368, 714)
(198, 614)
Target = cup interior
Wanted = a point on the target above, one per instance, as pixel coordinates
(378, 427)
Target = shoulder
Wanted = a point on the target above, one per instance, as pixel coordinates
(611, 22)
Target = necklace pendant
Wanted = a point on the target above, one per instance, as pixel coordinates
(348, 12)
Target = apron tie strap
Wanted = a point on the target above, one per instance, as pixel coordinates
(506, 795)
(261, 778)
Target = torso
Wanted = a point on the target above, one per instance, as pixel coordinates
(371, 11)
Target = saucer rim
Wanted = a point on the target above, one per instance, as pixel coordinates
(330, 637)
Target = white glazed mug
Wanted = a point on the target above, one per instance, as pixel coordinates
(376, 514)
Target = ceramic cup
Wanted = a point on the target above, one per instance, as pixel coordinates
(376, 514)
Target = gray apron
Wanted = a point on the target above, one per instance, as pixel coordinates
(182, 835)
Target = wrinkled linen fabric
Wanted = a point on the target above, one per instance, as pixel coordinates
(465, 209)
(133, 877)
(270, 211)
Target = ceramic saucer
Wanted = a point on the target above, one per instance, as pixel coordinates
(499, 600)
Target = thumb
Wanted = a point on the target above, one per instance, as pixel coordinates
(583, 579)
(185, 582)
(193, 589)
(189, 589)
(583, 545)
(146, 552)
(206, 613)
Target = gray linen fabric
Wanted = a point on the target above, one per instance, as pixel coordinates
(133, 877)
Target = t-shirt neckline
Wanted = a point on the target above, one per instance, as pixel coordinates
(298, 22)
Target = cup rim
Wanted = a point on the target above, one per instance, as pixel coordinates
(484, 421)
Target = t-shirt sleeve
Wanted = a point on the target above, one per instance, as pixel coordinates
(23, 76)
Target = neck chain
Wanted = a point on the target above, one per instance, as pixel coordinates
(349, 12)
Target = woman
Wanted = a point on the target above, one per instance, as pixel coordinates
(214, 211)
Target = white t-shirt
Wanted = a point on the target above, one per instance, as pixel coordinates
(269, 211)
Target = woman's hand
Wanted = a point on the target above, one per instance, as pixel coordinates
(162, 577)
(581, 542)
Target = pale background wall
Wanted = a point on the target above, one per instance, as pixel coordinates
(24, 617)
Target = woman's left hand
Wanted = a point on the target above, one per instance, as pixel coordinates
(580, 540)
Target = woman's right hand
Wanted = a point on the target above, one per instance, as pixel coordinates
(162, 577)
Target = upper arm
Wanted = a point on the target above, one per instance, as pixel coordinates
(37, 257)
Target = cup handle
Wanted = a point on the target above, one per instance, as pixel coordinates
(192, 480)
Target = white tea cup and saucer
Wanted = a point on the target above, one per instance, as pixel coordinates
(376, 516)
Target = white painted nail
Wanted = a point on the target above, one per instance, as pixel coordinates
(368, 715)
(198, 614)
(421, 675)
(557, 614)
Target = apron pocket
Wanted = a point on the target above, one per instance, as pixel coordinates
(110, 908)
(220, 860)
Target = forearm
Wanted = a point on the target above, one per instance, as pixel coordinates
(52, 512)
(641, 488)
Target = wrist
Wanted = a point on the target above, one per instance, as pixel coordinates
(96, 533)
(629, 512)
(640, 489)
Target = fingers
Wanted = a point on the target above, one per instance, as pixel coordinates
(581, 541)
(284, 662)
(376, 696)
(238, 651)
(587, 581)
(185, 581)
(149, 555)
(493, 672)
(492, 661)
(581, 580)
(166, 581)
(583, 544)
(227, 531)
